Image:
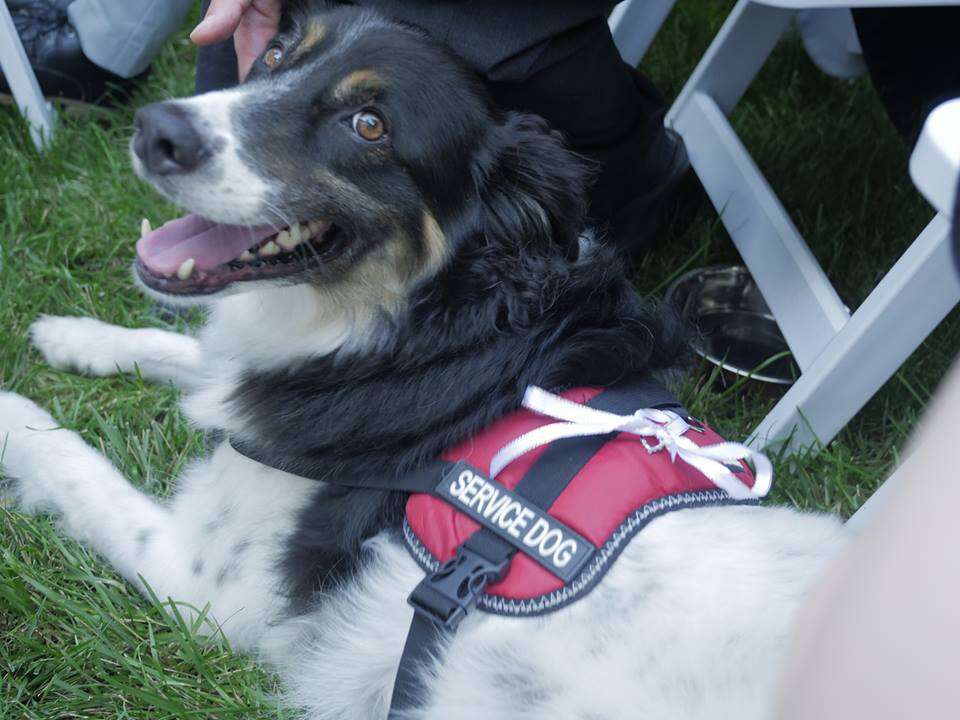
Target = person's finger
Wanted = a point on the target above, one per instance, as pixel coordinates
(258, 27)
(220, 22)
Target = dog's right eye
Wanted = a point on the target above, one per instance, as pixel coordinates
(368, 125)
(273, 57)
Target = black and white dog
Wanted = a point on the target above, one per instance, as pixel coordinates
(430, 268)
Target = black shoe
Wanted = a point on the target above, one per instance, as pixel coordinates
(638, 224)
(646, 183)
(54, 51)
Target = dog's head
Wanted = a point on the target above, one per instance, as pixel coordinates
(358, 152)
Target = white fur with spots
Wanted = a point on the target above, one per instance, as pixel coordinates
(692, 621)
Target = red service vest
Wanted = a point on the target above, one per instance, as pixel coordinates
(621, 488)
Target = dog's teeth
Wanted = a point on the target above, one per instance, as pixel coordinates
(186, 269)
(145, 228)
(315, 226)
(270, 249)
(246, 256)
(295, 235)
(286, 241)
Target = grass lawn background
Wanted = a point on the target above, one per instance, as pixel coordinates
(77, 642)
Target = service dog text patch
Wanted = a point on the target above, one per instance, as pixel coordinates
(525, 526)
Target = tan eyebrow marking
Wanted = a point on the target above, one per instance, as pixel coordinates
(356, 82)
(316, 31)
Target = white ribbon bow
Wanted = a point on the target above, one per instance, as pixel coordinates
(667, 427)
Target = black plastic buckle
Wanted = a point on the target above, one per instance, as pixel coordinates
(445, 596)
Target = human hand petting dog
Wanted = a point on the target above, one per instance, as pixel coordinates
(253, 23)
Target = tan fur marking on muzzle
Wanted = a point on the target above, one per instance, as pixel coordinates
(434, 241)
(380, 282)
(357, 82)
(348, 194)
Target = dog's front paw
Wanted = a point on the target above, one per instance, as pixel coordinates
(20, 414)
(24, 431)
(84, 345)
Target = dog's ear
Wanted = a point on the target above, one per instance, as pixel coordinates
(532, 188)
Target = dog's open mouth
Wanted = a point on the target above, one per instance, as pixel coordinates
(195, 256)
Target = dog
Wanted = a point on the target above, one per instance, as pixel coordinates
(388, 262)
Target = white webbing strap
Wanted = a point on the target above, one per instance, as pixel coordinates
(665, 426)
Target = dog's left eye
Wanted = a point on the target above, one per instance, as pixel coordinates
(368, 125)
(273, 56)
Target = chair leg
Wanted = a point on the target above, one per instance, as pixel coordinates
(20, 77)
(805, 304)
(735, 56)
(891, 323)
(635, 23)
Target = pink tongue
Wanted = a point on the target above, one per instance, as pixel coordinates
(209, 244)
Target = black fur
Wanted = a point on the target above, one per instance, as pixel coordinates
(515, 304)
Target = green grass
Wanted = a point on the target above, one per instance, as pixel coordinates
(76, 642)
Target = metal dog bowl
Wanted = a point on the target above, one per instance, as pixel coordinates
(737, 329)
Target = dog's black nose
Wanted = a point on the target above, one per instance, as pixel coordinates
(166, 140)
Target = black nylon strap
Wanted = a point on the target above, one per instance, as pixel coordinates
(542, 485)
(421, 480)
(424, 639)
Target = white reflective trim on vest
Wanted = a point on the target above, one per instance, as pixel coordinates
(594, 571)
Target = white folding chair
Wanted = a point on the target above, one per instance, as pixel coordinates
(935, 169)
(844, 358)
(35, 109)
(634, 24)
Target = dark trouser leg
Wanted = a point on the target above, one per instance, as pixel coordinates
(216, 64)
(913, 55)
(608, 112)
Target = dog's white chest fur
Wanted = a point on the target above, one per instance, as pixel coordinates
(691, 622)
